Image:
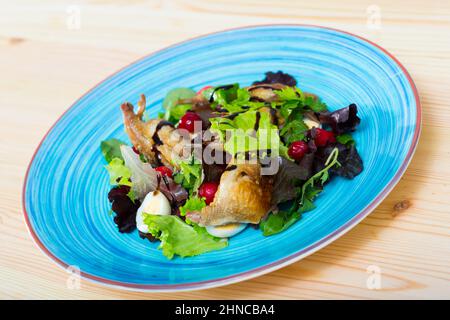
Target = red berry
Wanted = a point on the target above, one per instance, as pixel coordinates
(323, 137)
(298, 149)
(203, 89)
(135, 150)
(164, 171)
(187, 122)
(208, 190)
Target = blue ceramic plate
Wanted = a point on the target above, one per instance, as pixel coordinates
(65, 192)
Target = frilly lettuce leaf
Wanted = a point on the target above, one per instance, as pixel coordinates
(192, 204)
(179, 238)
(190, 174)
(235, 99)
(119, 174)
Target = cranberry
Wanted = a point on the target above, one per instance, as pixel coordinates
(208, 190)
(135, 150)
(188, 121)
(298, 149)
(203, 89)
(164, 171)
(324, 137)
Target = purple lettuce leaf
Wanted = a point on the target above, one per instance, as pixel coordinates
(176, 194)
(350, 161)
(124, 208)
(289, 173)
(341, 121)
(278, 77)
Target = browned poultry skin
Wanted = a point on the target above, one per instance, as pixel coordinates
(243, 196)
(142, 136)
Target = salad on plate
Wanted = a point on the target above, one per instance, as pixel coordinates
(226, 158)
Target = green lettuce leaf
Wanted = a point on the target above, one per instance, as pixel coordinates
(190, 174)
(192, 204)
(174, 109)
(235, 99)
(292, 97)
(315, 104)
(111, 149)
(175, 95)
(345, 138)
(290, 94)
(293, 131)
(179, 238)
(177, 112)
(119, 174)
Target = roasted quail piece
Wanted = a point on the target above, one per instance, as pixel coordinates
(243, 196)
(157, 139)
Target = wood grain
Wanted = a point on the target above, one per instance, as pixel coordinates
(45, 67)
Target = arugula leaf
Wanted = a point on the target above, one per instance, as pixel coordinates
(111, 149)
(119, 174)
(276, 223)
(190, 174)
(279, 222)
(315, 104)
(179, 238)
(345, 138)
(322, 175)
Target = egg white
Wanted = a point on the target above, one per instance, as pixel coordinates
(227, 230)
(154, 203)
(311, 123)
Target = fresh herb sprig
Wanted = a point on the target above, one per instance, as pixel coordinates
(322, 176)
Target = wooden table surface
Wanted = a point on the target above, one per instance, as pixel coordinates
(52, 52)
